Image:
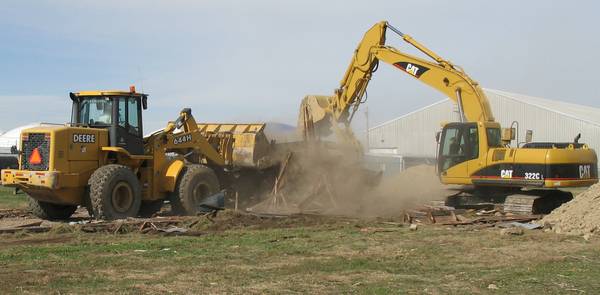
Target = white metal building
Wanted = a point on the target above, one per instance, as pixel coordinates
(413, 135)
(10, 138)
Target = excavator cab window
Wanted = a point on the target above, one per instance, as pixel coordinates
(494, 137)
(473, 142)
(460, 143)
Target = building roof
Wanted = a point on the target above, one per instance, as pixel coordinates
(410, 113)
(11, 137)
(587, 114)
(578, 112)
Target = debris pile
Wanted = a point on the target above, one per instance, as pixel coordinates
(444, 215)
(315, 180)
(160, 224)
(581, 216)
(309, 185)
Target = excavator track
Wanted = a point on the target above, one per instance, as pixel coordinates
(538, 202)
(521, 202)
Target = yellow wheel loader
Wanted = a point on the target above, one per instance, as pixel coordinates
(474, 152)
(102, 161)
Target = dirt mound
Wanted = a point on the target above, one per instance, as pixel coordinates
(231, 220)
(580, 216)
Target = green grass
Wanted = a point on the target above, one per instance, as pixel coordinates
(8, 200)
(334, 257)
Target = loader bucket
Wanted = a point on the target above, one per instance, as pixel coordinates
(250, 147)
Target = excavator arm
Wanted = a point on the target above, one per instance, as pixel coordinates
(319, 115)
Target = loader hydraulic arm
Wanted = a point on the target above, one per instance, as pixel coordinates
(191, 139)
(441, 74)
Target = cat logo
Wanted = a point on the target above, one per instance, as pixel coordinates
(506, 173)
(182, 139)
(585, 171)
(413, 69)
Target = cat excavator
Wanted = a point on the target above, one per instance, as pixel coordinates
(475, 152)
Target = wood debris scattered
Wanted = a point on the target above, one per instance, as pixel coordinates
(171, 225)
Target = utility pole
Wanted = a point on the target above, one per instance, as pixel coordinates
(367, 122)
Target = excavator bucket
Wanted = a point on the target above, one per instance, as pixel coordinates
(314, 118)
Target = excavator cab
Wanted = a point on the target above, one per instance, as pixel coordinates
(462, 142)
(459, 142)
(119, 112)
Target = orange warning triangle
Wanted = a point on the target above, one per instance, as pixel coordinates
(35, 157)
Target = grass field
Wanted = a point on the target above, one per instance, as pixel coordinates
(315, 256)
(8, 200)
(243, 254)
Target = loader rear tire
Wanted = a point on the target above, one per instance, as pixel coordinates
(196, 183)
(115, 192)
(49, 211)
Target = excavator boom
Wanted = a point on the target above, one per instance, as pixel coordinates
(325, 112)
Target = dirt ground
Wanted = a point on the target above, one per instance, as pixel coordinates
(236, 252)
(308, 254)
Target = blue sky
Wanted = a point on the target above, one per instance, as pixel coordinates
(255, 60)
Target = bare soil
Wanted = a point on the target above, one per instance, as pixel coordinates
(580, 216)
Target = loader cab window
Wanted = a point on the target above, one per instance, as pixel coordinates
(122, 113)
(460, 143)
(128, 132)
(127, 114)
(95, 112)
(133, 108)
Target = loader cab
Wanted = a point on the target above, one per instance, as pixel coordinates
(118, 111)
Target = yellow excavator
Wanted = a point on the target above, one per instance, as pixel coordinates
(474, 152)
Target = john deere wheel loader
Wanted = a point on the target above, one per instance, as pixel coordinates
(472, 152)
(102, 161)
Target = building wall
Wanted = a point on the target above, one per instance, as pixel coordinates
(546, 125)
(414, 134)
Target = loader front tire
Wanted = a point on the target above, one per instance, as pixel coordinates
(49, 211)
(195, 184)
(115, 192)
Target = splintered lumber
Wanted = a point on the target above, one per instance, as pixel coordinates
(280, 179)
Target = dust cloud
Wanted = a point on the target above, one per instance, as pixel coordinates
(408, 189)
(332, 181)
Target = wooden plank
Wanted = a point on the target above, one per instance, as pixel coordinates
(35, 229)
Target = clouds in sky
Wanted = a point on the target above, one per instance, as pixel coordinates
(255, 60)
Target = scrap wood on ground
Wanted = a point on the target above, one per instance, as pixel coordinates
(230, 219)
